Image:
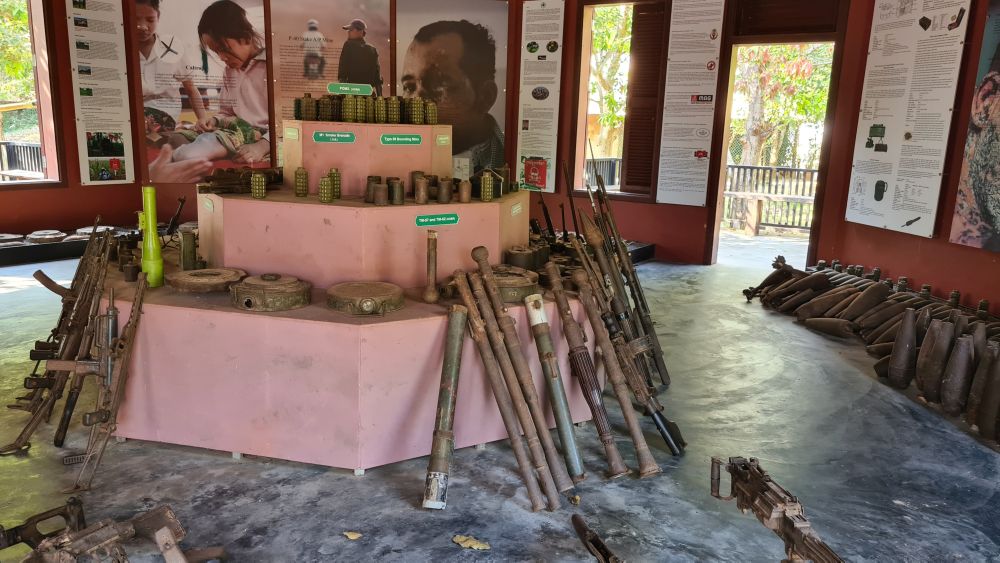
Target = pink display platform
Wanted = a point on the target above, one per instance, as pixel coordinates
(350, 240)
(309, 385)
(359, 150)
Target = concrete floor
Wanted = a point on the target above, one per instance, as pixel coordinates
(882, 478)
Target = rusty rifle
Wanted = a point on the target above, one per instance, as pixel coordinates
(593, 542)
(29, 534)
(569, 194)
(443, 444)
(477, 329)
(551, 236)
(776, 508)
(520, 367)
(582, 366)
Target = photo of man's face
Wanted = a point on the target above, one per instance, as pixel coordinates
(433, 71)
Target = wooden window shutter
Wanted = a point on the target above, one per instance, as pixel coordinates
(640, 157)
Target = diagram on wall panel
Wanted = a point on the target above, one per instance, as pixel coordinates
(976, 219)
(689, 101)
(541, 72)
(100, 91)
(914, 55)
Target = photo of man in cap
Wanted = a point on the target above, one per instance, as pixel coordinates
(359, 60)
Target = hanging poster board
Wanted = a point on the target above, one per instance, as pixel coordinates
(205, 105)
(541, 73)
(914, 55)
(100, 91)
(314, 50)
(455, 54)
(689, 101)
(976, 220)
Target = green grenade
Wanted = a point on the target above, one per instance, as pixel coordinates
(392, 109)
(308, 107)
(349, 109)
(324, 110)
(381, 110)
(369, 109)
(297, 108)
(416, 111)
(334, 177)
(325, 190)
(430, 113)
(486, 187)
(301, 182)
(336, 113)
(258, 185)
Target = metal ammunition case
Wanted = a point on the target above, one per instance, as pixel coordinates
(445, 188)
(464, 191)
(443, 443)
(486, 187)
(325, 190)
(396, 193)
(431, 294)
(301, 182)
(380, 194)
(258, 186)
(370, 188)
(430, 113)
(189, 250)
(414, 174)
(420, 190)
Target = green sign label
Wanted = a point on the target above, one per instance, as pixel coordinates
(399, 139)
(350, 89)
(334, 137)
(437, 220)
(291, 133)
(443, 140)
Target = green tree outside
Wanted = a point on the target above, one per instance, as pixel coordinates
(17, 71)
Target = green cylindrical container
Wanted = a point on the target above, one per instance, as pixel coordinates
(152, 258)
(393, 110)
(486, 187)
(334, 176)
(258, 186)
(381, 110)
(301, 182)
(325, 190)
(430, 113)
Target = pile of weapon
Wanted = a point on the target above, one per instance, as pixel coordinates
(84, 342)
(952, 353)
(75, 541)
(365, 109)
(624, 336)
(239, 180)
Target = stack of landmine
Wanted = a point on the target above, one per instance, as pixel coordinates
(952, 353)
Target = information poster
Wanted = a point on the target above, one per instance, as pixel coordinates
(455, 55)
(976, 221)
(541, 73)
(914, 55)
(100, 91)
(689, 101)
(205, 95)
(319, 42)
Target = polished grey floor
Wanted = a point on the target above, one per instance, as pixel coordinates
(883, 479)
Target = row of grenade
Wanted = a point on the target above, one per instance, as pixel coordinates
(366, 109)
(329, 185)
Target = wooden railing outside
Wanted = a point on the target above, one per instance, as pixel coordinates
(763, 196)
(608, 168)
(21, 161)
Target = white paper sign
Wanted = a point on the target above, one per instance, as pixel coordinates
(541, 73)
(101, 91)
(689, 101)
(914, 55)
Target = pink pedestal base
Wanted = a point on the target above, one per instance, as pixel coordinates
(310, 385)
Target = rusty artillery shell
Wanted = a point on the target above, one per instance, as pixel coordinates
(957, 377)
(443, 443)
(903, 358)
(445, 188)
(822, 303)
(420, 190)
(834, 327)
(465, 191)
(979, 380)
(986, 420)
(814, 281)
(883, 315)
(979, 339)
(380, 194)
(396, 193)
(881, 367)
(873, 295)
(880, 350)
(504, 401)
(931, 370)
(793, 302)
(923, 321)
(839, 307)
(961, 323)
(431, 294)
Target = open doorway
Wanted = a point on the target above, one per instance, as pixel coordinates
(778, 97)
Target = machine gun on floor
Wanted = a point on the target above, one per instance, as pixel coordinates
(775, 507)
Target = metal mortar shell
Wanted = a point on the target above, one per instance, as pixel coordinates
(301, 182)
(445, 188)
(486, 188)
(396, 193)
(381, 194)
(381, 110)
(324, 109)
(464, 191)
(420, 189)
(308, 108)
(258, 186)
(325, 190)
(430, 113)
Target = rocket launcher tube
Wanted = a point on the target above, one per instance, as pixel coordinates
(152, 258)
